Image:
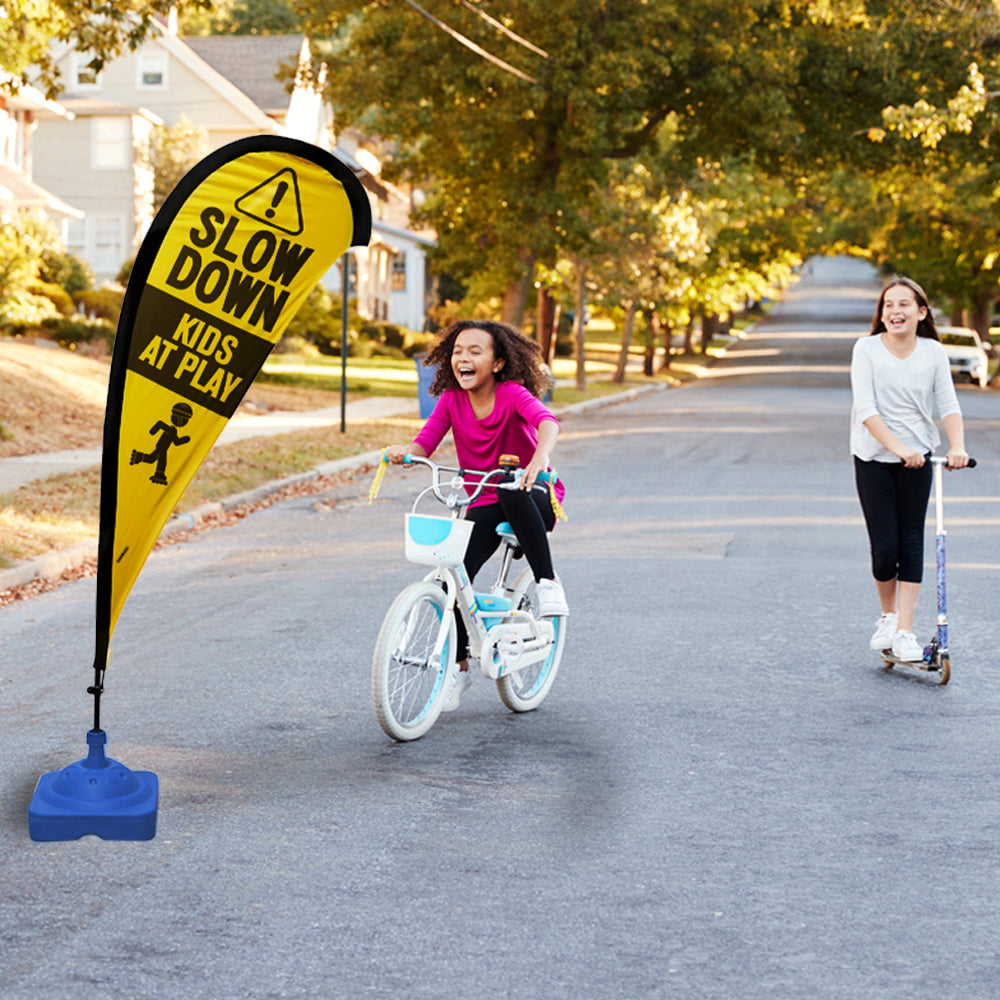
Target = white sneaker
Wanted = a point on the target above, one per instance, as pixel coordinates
(885, 629)
(906, 647)
(458, 684)
(551, 599)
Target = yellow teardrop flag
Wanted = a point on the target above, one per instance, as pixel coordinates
(233, 253)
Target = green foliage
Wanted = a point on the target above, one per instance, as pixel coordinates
(319, 321)
(242, 17)
(33, 30)
(101, 303)
(64, 269)
(30, 254)
(126, 272)
(175, 150)
(56, 294)
(69, 332)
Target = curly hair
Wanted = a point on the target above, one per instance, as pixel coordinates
(926, 327)
(522, 357)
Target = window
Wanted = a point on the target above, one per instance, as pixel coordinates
(111, 143)
(152, 71)
(76, 238)
(109, 250)
(398, 272)
(100, 241)
(82, 76)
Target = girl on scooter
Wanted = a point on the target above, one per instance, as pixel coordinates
(899, 376)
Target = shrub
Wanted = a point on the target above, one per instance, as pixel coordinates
(70, 332)
(21, 308)
(295, 344)
(126, 272)
(60, 268)
(56, 294)
(100, 303)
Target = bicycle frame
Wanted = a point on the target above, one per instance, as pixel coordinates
(501, 637)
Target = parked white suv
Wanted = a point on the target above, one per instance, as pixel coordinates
(966, 353)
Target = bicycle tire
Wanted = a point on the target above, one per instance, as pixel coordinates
(524, 690)
(407, 690)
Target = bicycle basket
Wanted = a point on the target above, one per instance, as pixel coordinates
(436, 541)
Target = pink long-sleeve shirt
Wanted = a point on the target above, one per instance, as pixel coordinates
(511, 428)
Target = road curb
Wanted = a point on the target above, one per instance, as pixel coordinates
(53, 565)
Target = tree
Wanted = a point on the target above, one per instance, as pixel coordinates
(241, 17)
(514, 154)
(175, 150)
(103, 29)
(941, 223)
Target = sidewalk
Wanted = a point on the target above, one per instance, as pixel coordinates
(15, 472)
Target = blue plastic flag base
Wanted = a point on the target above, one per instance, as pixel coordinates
(95, 796)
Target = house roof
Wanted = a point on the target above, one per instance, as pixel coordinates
(27, 98)
(18, 190)
(250, 62)
(88, 107)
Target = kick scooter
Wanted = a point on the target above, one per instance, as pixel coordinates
(935, 658)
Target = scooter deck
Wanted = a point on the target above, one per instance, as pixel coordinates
(942, 669)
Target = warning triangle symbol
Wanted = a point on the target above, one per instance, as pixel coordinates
(276, 203)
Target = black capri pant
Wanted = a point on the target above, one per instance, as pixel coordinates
(894, 501)
(531, 516)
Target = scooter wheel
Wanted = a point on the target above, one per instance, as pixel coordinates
(944, 671)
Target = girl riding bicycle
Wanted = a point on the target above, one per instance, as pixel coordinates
(489, 379)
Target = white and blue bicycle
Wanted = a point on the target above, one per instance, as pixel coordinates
(416, 646)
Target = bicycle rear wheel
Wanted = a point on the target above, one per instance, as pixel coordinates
(407, 687)
(524, 690)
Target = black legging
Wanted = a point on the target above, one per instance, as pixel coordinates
(894, 501)
(531, 516)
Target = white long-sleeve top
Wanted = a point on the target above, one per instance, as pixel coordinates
(904, 392)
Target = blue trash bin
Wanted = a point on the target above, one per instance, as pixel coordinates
(425, 376)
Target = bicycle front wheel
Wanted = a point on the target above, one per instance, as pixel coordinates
(524, 690)
(407, 683)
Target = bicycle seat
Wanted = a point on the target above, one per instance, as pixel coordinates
(506, 532)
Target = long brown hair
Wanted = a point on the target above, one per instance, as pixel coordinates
(522, 357)
(926, 327)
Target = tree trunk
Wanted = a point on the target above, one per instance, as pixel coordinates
(667, 335)
(979, 315)
(515, 296)
(689, 334)
(627, 332)
(545, 323)
(709, 322)
(579, 333)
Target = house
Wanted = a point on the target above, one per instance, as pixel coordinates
(391, 281)
(100, 161)
(232, 86)
(20, 192)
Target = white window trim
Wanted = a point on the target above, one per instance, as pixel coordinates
(155, 57)
(78, 62)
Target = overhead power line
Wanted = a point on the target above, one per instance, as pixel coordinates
(502, 27)
(471, 45)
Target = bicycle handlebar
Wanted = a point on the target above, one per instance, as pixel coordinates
(454, 499)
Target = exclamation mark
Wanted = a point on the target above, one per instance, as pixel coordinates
(279, 193)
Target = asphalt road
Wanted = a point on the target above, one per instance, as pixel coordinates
(725, 796)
